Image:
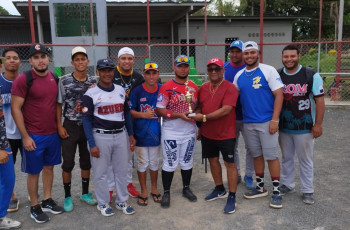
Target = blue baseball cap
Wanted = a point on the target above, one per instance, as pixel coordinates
(238, 44)
(182, 59)
(105, 64)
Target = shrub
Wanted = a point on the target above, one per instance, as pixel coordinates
(312, 51)
(332, 52)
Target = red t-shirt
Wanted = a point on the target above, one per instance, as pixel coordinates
(39, 107)
(225, 127)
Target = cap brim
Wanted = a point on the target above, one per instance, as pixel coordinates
(151, 69)
(39, 52)
(79, 53)
(186, 63)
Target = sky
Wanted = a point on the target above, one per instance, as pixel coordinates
(7, 4)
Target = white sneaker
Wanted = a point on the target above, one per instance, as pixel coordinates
(127, 209)
(106, 210)
(7, 223)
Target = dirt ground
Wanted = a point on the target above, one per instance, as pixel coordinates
(330, 211)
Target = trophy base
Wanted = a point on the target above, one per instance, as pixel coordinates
(191, 114)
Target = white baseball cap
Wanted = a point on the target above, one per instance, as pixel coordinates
(250, 45)
(125, 50)
(78, 50)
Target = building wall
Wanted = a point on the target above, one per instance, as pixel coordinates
(274, 31)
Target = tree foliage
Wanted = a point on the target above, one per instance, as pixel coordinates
(3, 12)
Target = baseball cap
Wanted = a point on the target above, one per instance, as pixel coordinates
(238, 44)
(151, 66)
(105, 64)
(37, 48)
(217, 61)
(2, 60)
(125, 50)
(182, 59)
(78, 50)
(250, 45)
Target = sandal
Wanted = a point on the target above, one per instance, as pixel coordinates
(156, 197)
(144, 200)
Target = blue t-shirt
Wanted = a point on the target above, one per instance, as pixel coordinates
(12, 131)
(146, 131)
(255, 87)
(230, 73)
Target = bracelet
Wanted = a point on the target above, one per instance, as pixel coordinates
(169, 114)
(204, 118)
(275, 121)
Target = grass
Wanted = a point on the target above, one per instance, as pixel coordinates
(327, 62)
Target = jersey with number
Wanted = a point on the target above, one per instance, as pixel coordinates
(105, 106)
(70, 92)
(146, 131)
(12, 131)
(172, 96)
(298, 111)
(255, 87)
(230, 72)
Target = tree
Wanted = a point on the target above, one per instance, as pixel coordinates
(3, 12)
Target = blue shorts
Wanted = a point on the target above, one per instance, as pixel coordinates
(47, 153)
(7, 182)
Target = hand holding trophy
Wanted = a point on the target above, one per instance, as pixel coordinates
(188, 98)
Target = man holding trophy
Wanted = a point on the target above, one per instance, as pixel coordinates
(177, 99)
(217, 100)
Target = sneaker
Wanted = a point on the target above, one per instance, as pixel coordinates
(7, 223)
(105, 210)
(87, 198)
(216, 194)
(254, 193)
(127, 209)
(50, 205)
(249, 182)
(276, 201)
(165, 203)
(37, 214)
(284, 190)
(239, 179)
(186, 192)
(230, 205)
(132, 190)
(13, 206)
(68, 204)
(308, 198)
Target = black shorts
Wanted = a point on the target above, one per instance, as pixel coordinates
(212, 148)
(16, 144)
(69, 146)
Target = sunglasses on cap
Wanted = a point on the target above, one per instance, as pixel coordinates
(182, 59)
(217, 69)
(151, 66)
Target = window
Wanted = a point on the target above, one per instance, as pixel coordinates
(227, 48)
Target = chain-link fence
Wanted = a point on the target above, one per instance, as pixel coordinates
(333, 67)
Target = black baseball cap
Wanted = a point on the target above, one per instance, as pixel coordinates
(105, 64)
(37, 48)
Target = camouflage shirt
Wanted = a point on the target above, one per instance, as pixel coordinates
(70, 93)
(3, 139)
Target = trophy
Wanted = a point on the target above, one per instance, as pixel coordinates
(188, 98)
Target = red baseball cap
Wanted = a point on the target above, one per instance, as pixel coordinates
(217, 61)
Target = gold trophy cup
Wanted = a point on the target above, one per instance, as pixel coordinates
(188, 98)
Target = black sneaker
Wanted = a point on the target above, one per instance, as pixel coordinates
(36, 213)
(186, 192)
(165, 200)
(50, 205)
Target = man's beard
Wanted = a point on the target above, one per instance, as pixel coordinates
(291, 68)
(182, 77)
(41, 70)
(253, 64)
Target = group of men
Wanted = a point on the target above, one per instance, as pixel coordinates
(109, 116)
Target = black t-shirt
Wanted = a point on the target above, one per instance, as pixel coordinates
(128, 82)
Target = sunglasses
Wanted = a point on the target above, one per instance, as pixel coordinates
(210, 70)
(182, 59)
(151, 66)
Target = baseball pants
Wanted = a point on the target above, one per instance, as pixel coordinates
(249, 160)
(303, 146)
(177, 150)
(114, 152)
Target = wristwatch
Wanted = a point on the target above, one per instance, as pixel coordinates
(204, 118)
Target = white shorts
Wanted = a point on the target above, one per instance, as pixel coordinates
(147, 157)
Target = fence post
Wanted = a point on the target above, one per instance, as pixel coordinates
(318, 57)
